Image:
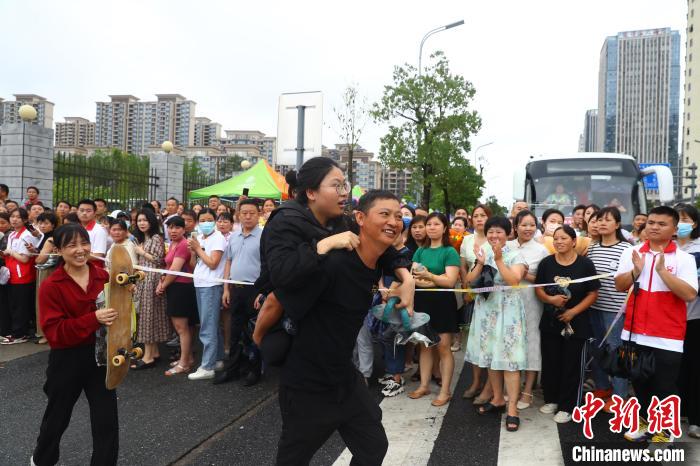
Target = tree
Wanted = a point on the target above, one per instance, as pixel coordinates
(460, 185)
(429, 122)
(496, 208)
(352, 117)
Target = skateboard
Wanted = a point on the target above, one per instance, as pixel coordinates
(119, 334)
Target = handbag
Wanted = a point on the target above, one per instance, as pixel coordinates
(465, 314)
(629, 360)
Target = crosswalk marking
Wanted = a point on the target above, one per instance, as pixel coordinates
(411, 425)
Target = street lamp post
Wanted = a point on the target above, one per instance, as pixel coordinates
(430, 33)
(480, 147)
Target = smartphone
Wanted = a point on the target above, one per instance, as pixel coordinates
(30, 227)
(245, 191)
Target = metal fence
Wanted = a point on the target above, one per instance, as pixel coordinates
(123, 180)
(192, 181)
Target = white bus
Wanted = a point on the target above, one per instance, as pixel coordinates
(565, 181)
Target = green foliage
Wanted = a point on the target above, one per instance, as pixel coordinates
(119, 177)
(459, 186)
(430, 123)
(192, 170)
(495, 207)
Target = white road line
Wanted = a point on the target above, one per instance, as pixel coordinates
(536, 442)
(412, 426)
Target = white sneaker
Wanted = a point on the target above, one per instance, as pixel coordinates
(385, 379)
(562, 417)
(219, 365)
(201, 374)
(393, 388)
(640, 435)
(31, 461)
(549, 408)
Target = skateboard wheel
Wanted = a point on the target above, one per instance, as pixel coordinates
(137, 352)
(122, 279)
(118, 360)
(140, 275)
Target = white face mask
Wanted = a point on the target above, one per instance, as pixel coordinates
(551, 227)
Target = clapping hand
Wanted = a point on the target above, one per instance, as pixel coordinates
(638, 262)
(497, 252)
(660, 263)
(479, 253)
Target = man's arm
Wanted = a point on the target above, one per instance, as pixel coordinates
(679, 285)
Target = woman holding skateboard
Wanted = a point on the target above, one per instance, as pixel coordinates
(69, 317)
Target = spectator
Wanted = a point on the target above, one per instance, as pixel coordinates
(69, 318)
(497, 339)
(180, 208)
(578, 223)
(32, 197)
(62, 209)
(436, 265)
(11, 205)
(605, 255)
(119, 233)
(656, 315)
(416, 234)
(213, 202)
(207, 252)
(592, 228)
(480, 215)
(689, 380)
(518, 206)
(461, 212)
(156, 208)
(268, 207)
(224, 224)
(22, 277)
(243, 265)
(590, 210)
(181, 298)
(196, 208)
(171, 207)
(45, 260)
(564, 328)
(4, 193)
(532, 252)
(5, 320)
(190, 218)
(637, 223)
(72, 217)
(458, 232)
(100, 208)
(34, 211)
(552, 219)
(98, 236)
(407, 211)
(154, 326)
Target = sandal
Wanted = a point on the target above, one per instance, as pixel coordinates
(491, 408)
(177, 369)
(471, 393)
(418, 393)
(438, 402)
(478, 401)
(525, 404)
(140, 365)
(512, 423)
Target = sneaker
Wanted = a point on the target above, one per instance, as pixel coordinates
(385, 379)
(603, 394)
(201, 374)
(662, 437)
(608, 404)
(456, 347)
(393, 388)
(14, 341)
(694, 431)
(549, 408)
(5, 338)
(562, 417)
(640, 435)
(174, 343)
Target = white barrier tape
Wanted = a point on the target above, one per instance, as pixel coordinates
(490, 289)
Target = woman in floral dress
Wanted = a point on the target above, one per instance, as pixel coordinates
(154, 325)
(497, 339)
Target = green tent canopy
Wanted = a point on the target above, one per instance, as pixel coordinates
(261, 181)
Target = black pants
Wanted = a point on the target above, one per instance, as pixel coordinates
(5, 320)
(22, 301)
(241, 311)
(689, 379)
(70, 372)
(310, 418)
(562, 370)
(664, 381)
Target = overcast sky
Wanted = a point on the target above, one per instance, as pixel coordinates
(534, 63)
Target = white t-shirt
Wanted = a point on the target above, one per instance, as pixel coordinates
(214, 242)
(98, 238)
(18, 243)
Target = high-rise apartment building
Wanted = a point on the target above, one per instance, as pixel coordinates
(237, 139)
(367, 172)
(590, 131)
(44, 109)
(691, 101)
(206, 132)
(396, 181)
(74, 135)
(131, 125)
(638, 95)
(269, 149)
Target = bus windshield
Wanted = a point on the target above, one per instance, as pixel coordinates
(563, 184)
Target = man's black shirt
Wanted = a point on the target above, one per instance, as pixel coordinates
(321, 354)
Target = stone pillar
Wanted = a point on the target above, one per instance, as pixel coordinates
(169, 170)
(26, 159)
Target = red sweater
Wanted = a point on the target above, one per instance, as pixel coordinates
(66, 312)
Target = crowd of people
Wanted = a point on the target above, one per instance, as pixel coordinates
(305, 274)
